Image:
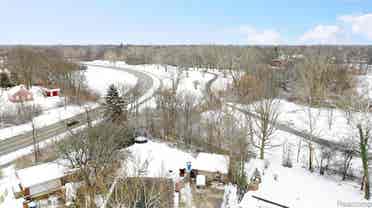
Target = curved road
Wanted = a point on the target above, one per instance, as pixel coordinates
(24, 140)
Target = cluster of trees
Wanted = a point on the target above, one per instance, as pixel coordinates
(7, 80)
(143, 54)
(48, 67)
(39, 66)
(95, 153)
(178, 116)
(176, 113)
(101, 163)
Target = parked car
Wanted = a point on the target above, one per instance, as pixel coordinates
(141, 140)
(72, 123)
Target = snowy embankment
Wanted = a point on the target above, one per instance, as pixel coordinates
(289, 187)
(191, 82)
(327, 123)
(57, 114)
(11, 157)
(158, 79)
(98, 79)
(48, 117)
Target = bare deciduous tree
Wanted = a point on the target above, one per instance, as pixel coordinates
(361, 127)
(29, 112)
(93, 153)
(263, 127)
(347, 155)
(187, 108)
(325, 159)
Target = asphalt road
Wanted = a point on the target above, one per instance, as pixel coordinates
(305, 135)
(18, 142)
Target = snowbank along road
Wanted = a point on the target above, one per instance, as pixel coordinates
(283, 127)
(145, 81)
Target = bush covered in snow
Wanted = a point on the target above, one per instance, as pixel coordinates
(230, 198)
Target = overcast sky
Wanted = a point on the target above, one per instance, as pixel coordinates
(186, 22)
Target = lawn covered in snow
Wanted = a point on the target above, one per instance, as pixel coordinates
(39, 99)
(296, 186)
(188, 78)
(327, 123)
(99, 79)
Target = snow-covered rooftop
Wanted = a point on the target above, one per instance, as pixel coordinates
(160, 158)
(40, 173)
(212, 162)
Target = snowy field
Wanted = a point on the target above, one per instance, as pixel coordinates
(188, 79)
(327, 123)
(99, 79)
(296, 186)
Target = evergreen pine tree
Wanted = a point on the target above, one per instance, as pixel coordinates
(5, 80)
(14, 78)
(115, 104)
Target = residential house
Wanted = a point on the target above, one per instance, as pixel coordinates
(214, 166)
(41, 182)
(19, 94)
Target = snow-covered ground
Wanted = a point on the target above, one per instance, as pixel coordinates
(48, 117)
(39, 99)
(364, 86)
(99, 79)
(327, 123)
(221, 83)
(152, 159)
(188, 79)
(296, 186)
(54, 115)
(11, 157)
(161, 159)
(6, 191)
